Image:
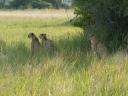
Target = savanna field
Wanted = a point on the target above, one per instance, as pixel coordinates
(69, 70)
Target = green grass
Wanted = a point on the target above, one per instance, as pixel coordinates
(68, 71)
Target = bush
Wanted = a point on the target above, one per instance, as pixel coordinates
(41, 4)
(19, 4)
(23, 4)
(108, 19)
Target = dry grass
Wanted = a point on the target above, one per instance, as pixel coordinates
(48, 13)
(68, 71)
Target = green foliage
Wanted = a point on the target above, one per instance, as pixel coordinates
(106, 18)
(40, 4)
(56, 3)
(23, 4)
(19, 4)
(3, 4)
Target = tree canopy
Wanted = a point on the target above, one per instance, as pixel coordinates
(108, 19)
(32, 4)
(23, 4)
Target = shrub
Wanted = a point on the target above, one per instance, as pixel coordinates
(41, 4)
(23, 4)
(19, 4)
(108, 19)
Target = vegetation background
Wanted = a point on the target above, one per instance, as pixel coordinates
(107, 19)
(39, 4)
(71, 69)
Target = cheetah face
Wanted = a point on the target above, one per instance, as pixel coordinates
(31, 35)
(43, 36)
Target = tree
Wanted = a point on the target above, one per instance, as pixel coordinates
(108, 19)
(35, 3)
(19, 4)
(56, 3)
(2, 3)
(40, 4)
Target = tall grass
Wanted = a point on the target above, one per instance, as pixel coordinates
(70, 70)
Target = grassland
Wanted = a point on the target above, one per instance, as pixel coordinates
(68, 71)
